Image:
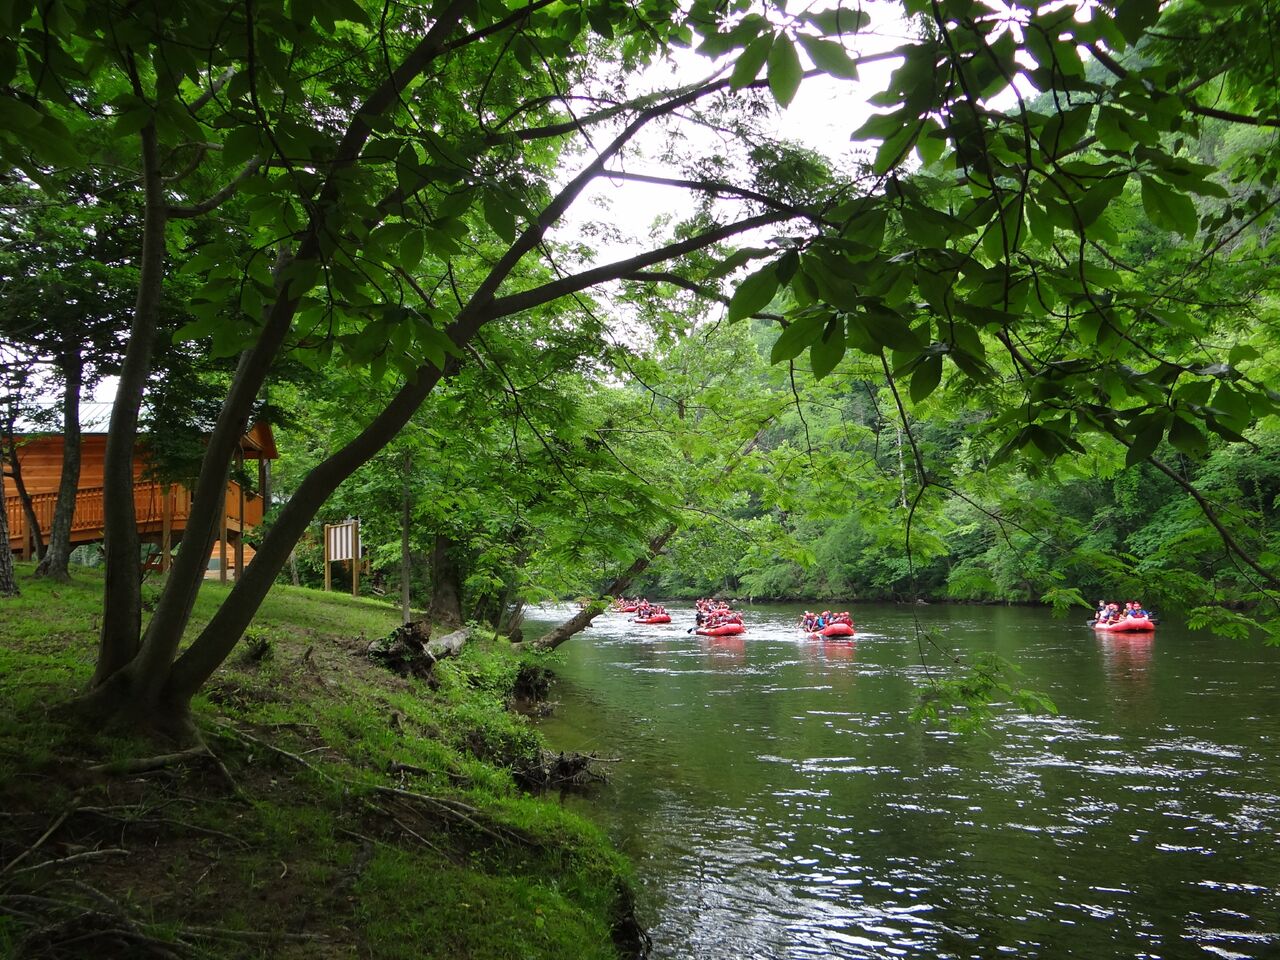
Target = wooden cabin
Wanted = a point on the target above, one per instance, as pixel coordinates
(162, 508)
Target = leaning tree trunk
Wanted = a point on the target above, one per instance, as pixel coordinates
(35, 535)
(582, 619)
(446, 586)
(223, 632)
(56, 558)
(8, 583)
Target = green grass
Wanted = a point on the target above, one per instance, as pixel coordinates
(307, 849)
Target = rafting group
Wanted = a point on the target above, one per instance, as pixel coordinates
(1132, 617)
(645, 612)
(827, 624)
(715, 618)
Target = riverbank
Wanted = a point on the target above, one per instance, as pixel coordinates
(348, 812)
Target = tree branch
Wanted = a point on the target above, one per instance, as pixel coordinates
(212, 203)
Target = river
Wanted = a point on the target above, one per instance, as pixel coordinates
(778, 801)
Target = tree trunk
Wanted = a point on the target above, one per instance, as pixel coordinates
(122, 589)
(173, 610)
(35, 535)
(582, 619)
(902, 470)
(154, 686)
(223, 632)
(502, 622)
(406, 557)
(446, 588)
(54, 563)
(8, 583)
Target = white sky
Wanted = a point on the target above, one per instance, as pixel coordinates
(822, 116)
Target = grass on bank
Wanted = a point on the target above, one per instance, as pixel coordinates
(311, 851)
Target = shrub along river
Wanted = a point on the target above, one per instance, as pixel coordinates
(778, 801)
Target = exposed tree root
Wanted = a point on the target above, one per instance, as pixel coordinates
(147, 764)
(561, 771)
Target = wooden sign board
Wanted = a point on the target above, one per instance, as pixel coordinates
(342, 542)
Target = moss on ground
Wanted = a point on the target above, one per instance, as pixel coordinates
(357, 813)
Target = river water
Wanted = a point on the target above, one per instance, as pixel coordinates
(778, 802)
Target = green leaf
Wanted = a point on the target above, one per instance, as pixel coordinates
(784, 70)
(828, 349)
(412, 246)
(1169, 209)
(348, 10)
(1063, 131)
(881, 126)
(1231, 405)
(240, 145)
(1241, 352)
(829, 57)
(839, 20)
(894, 150)
(932, 142)
(754, 293)
(499, 217)
(1109, 131)
(801, 332)
(926, 378)
(1187, 437)
(1145, 441)
(750, 61)
(1134, 16)
(736, 260)
(16, 115)
(1099, 197)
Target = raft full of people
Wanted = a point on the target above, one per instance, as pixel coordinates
(827, 624)
(715, 618)
(645, 612)
(1132, 618)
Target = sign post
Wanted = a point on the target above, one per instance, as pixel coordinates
(342, 542)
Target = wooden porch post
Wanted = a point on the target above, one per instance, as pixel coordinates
(240, 535)
(328, 572)
(222, 545)
(166, 528)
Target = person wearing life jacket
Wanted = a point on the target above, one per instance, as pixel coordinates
(1136, 610)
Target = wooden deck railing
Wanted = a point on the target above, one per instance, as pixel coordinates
(149, 504)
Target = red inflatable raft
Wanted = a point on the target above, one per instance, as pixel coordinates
(724, 630)
(630, 608)
(660, 618)
(1127, 625)
(837, 630)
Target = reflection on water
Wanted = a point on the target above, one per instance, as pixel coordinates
(777, 801)
(1127, 661)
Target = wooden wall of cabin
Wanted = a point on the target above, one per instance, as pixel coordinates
(41, 461)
